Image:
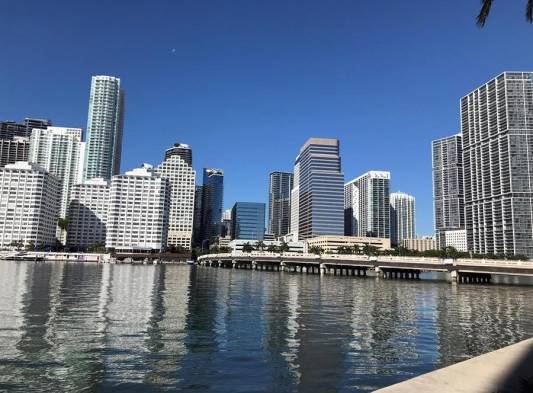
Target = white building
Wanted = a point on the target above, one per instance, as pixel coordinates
(296, 247)
(137, 219)
(29, 205)
(456, 239)
(421, 244)
(367, 205)
(87, 214)
(181, 179)
(60, 151)
(104, 128)
(402, 217)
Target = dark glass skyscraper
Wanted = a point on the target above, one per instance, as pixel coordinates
(320, 185)
(212, 202)
(248, 220)
(279, 206)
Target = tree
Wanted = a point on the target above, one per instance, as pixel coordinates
(260, 245)
(62, 223)
(316, 250)
(344, 250)
(272, 248)
(247, 247)
(370, 250)
(485, 11)
(284, 247)
(30, 246)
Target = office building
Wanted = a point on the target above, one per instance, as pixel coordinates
(448, 190)
(87, 214)
(212, 202)
(60, 151)
(248, 220)
(367, 205)
(497, 129)
(455, 239)
(104, 128)
(279, 205)
(318, 188)
(402, 217)
(197, 219)
(29, 206)
(422, 244)
(331, 244)
(137, 219)
(14, 150)
(177, 169)
(237, 245)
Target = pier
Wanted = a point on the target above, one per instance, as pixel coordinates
(464, 271)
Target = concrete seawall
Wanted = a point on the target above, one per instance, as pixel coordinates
(509, 369)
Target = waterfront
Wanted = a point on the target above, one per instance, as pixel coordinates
(75, 326)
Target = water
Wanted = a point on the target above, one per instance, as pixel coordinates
(83, 327)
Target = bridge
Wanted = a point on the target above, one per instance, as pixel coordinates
(395, 267)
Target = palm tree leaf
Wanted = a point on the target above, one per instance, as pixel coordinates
(484, 12)
(529, 11)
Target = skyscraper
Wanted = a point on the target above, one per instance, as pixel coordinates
(318, 187)
(497, 128)
(448, 192)
(60, 151)
(212, 201)
(248, 220)
(367, 205)
(15, 139)
(279, 206)
(177, 169)
(104, 128)
(197, 218)
(11, 129)
(402, 217)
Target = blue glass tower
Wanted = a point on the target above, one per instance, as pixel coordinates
(248, 220)
(212, 201)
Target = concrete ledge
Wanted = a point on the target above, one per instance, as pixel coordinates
(509, 369)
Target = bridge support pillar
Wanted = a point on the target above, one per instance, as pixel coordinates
(322, 269)
(220, 263)
(454, 275)
(379, 272)
(234, 264)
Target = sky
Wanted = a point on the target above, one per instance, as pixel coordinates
(247, 82)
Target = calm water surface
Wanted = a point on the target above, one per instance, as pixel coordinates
(83, 327)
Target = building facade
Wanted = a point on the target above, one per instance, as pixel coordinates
(60, 151)
(12, 129)
(402, 217)
(455, 239)
(448, 188)
(212, 202)
(497, 129)
(177, 169)
(29, 205)
(104, 128)
(331, 244)
(87, 214)
(197, 219)
(420, 244)
(248, 220)
(137, 219)
(318, 189)
(14, 150)
(279, 203)
(367, 205)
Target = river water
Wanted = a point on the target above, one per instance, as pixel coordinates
(87, 327)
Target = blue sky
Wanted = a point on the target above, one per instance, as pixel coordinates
(247, 82)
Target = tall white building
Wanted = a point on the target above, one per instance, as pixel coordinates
(367, 205)
(137, 219)
(29, 205)
(60, 151)
(177, 169)
(87, 214)
(294, 203)
(497, 128)
(104, 128)
(402, 217)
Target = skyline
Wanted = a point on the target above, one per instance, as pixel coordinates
(249, 75)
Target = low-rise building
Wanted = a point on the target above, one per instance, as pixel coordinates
(330, 244)
(421, 244)
(29, 205)
(295, 247)
(456, 239)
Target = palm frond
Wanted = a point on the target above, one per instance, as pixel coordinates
(529, 11)
(485, 11)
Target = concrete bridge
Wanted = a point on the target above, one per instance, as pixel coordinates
(460, 270)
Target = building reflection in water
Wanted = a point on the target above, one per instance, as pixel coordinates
(76, 327)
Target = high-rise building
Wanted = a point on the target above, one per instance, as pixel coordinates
(294, 203)
(226, 224)
(87, 214)
(448, 190)
(402, 217)
(497, 128)
(197, 219)
(14, 139)
(248, 220)
(318, 186)
(177, 169)
(13, 150)
(279, 203)
(104, 128)
(60, 151)
(212, 202)
(137, 218)
(29, 205)
(367, 205)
